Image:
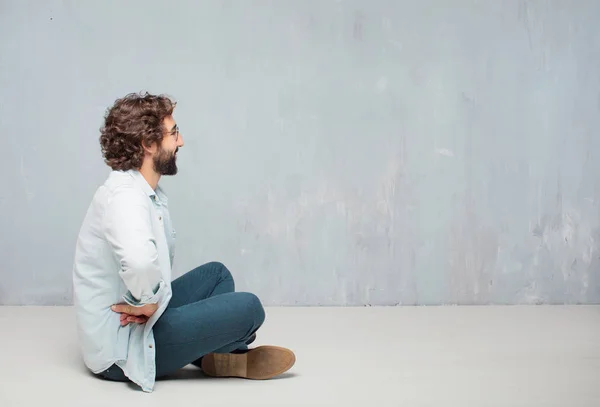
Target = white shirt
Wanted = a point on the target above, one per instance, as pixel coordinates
(124, 252)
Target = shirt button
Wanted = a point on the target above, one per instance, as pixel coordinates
(150, 346)
(160, 218)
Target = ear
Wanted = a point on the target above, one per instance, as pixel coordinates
(149, 148)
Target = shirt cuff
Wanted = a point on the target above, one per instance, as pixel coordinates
(154, 298)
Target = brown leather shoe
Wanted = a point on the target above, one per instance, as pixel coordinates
(260, 363)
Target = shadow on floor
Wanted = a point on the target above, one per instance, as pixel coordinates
(196, 374)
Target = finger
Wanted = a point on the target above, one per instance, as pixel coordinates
(136, 320)
(118, 308)
(125, 309)
(123, 316)
(124, 322)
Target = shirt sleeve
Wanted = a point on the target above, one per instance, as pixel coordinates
(128, 230)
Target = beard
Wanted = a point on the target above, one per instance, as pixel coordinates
(165, 162)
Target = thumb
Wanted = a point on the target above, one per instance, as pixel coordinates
(127, 309)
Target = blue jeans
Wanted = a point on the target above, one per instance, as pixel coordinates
(204, 315)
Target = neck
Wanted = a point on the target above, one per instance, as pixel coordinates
(151, 176)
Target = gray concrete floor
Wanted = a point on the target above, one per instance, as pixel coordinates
(412, 356)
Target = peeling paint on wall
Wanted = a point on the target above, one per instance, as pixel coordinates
(337, 153)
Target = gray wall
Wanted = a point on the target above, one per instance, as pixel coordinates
(337, 152)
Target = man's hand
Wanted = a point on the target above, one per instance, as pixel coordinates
(127, 319)
(138, 315)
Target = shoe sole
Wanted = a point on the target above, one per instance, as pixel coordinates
(260, 363)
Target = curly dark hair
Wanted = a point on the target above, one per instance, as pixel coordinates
(133, 121)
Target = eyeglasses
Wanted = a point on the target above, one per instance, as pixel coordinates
(175, 132)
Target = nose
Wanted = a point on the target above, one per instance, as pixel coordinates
(180, 140)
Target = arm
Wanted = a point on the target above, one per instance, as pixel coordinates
(128, 230)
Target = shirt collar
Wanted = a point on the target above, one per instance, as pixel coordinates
(153, 194)
(162, 197)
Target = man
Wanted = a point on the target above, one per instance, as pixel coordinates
(133, 322)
